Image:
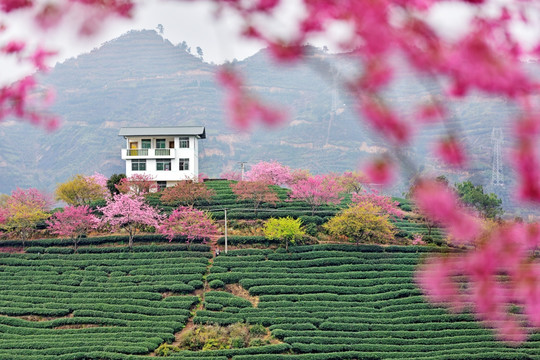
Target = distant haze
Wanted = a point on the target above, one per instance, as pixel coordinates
(141, 79)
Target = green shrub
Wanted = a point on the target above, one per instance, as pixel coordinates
(196, 284)
(311, 229)
(216, 284)
(316, 220)
(257, 342)
(257, 330)
(166, 349)
(238, 342)
(405, 207)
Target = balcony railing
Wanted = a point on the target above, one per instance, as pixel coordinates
(137, 152)
(163, 152)
(148, 153)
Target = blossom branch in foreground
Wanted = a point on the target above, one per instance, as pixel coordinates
(243, 107)
(500, 274)
(24, 99)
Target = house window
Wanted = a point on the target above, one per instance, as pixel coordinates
(163, 164)
(146, 144)
(184, 142)
(138, 165)
(161, 185)
(184, 164)
(160, 143)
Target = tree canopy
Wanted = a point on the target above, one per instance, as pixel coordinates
(487, 205)
(363, 222)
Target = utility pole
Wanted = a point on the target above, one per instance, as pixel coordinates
(497, 172)
(225, 231)
(242, 166)
(497, 176)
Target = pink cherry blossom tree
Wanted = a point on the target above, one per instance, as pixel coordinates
(317, 190)
(382, 202)
(270, 172)
(129, 212)
(73, 222)
(189, 222)
(100, 180)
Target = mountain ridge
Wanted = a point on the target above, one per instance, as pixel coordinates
(141, 79)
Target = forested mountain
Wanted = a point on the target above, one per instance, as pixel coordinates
(141, 79)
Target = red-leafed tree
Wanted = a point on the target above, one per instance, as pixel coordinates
(137, 184)
(270, 172)
(186, 192)
(257, 192)
(189, 222)
(129, 212)
(74, 222)
(317, 190)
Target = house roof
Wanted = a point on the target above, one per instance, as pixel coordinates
(164, 131)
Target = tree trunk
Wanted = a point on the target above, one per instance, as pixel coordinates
(130, 242)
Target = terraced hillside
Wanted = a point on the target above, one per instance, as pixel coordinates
(244, 209)
(321, 302)
(95, 305)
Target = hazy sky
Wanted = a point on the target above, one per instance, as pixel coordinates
(193, 22)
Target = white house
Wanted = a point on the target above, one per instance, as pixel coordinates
(168, 154)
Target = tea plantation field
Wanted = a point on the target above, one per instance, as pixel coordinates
(322, 302)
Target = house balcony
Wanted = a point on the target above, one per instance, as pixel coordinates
(148, 153)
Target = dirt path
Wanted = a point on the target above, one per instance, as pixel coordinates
(200, 293)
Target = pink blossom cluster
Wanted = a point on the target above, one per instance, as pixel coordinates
(381, 170)
(127, 211)
(317, 190)
(28, 198)
(382, 202)
(525, 158)
(243, 107)
(24, 99)
(487, 58)
(418, 240)
(500, 274)
(124, 209)
(189, 222)
(270, 172)
(100, 180)
(442, 206)
(73, 222)
(137, 184)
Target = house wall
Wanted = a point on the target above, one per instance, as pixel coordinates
(175, 154)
